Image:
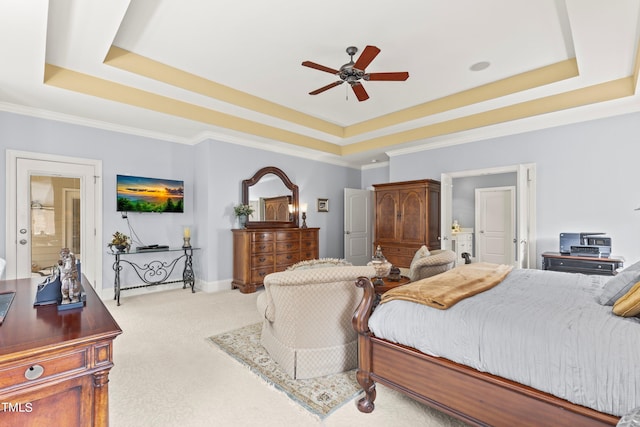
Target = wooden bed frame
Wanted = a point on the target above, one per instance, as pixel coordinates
(475, 397)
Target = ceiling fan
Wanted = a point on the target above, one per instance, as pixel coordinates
(353, 72)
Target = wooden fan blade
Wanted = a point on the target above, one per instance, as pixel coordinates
(327, 87)
(358, 89)
(319, 67)
(399, 76)
(367, 55)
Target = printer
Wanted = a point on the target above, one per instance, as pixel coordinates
(585, 244)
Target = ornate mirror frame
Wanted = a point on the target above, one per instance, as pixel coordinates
(247, 183)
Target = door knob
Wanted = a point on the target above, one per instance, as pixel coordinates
(347, 232)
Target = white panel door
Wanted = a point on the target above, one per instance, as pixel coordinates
(495, 223)
(358, 225)
(23, 171)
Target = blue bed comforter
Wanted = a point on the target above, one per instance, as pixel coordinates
(543, 329)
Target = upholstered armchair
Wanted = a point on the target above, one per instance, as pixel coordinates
(432, 263)
(307, 319)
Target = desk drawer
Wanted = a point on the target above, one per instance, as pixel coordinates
(576, 265)
(37, 370)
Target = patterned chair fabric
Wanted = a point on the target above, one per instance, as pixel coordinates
(307, 319)
(439, 261)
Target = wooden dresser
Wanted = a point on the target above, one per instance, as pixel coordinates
(260, 251)
(407, 216)
(54, 366)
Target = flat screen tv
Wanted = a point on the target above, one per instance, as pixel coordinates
(139, 194)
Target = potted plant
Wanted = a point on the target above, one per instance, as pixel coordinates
(242, 212)
(120, 241)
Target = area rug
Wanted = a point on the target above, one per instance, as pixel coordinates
(320, 396)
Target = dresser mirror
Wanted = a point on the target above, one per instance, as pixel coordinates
(273, 197)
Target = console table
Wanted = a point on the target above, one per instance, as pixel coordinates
(55, 364)
(581, 264)
(155, 272)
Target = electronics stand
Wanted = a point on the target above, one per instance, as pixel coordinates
(155, 272)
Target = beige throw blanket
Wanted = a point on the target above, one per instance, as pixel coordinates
(445, 289)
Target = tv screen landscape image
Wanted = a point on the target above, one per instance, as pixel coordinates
(139, 194)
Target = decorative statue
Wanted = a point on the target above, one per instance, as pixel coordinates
(68, 277)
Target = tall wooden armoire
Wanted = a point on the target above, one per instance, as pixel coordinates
(407, 216)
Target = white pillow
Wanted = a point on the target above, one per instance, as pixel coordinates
(620, 284)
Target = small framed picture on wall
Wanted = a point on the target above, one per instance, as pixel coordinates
(323, 205)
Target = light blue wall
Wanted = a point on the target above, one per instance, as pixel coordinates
(586, 181)
(212, 171)
(120, 154)
(228, 164)
(586, 176)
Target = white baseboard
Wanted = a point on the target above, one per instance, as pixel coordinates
(208, 287)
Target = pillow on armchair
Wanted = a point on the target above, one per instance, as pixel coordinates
(319, 263)
(434, 262)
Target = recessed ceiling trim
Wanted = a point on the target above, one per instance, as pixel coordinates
(90, 85)
(143, 66)
(589, 95)
(140, 65)
(531, 79)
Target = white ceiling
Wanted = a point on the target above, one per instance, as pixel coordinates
(256, 47)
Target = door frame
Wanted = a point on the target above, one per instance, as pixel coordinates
(525, 207)
(93, 236)
(511, 189)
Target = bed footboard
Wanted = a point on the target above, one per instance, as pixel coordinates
(474, 397)
(360, 323)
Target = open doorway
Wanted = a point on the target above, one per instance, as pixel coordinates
(523, 178)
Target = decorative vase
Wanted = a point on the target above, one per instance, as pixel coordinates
(242, 219)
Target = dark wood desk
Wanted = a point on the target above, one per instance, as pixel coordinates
(581, 264)
(54, 366)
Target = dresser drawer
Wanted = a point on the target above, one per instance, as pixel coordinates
(287, 259)
(261, 260)
(398, 251)
(258, 275)
(307, 255)
(265, 236)
(284, 235)
(261, 247)
(37, 370)
(306, 245)
(309, 235)
(287, 247)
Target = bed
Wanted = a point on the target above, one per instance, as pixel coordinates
(586, 375)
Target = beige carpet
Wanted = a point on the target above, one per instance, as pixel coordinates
(320, 396)
(167, 374)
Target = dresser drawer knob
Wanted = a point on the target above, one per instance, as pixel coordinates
(34, 372)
